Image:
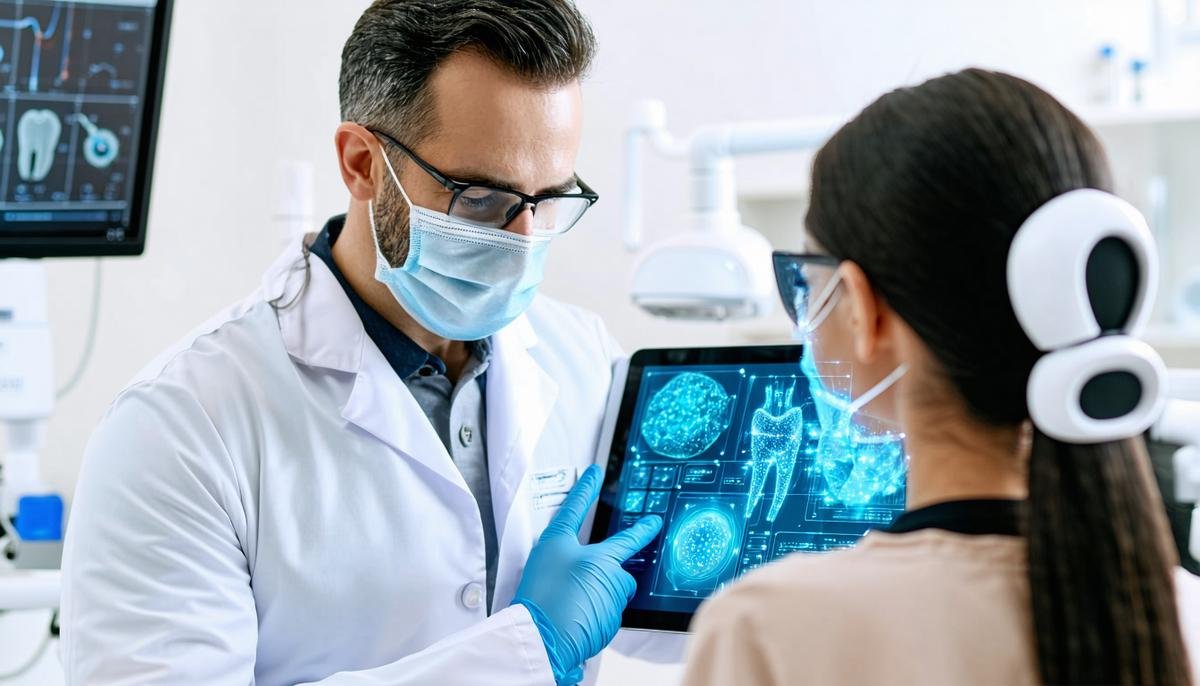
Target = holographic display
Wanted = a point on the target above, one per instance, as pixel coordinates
(858, 468)
(776, 435)
(738, 461)
(686, 416)
(704, 542)
(857, 464)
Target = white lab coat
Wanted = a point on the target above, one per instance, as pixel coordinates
(266, 503)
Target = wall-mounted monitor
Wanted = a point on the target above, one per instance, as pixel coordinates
(80, 93)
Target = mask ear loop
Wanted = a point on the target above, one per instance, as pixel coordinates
(865, 399)
(514, 241)
(383, 262)
(826, 301)
(395, 177)
(877, 390)
(830, 299)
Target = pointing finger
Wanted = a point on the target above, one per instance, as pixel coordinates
(624, 544)
(575, 507)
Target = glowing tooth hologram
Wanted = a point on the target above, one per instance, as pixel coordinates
(702, 545)
(687, 416)
(38, 133)
(776, 438)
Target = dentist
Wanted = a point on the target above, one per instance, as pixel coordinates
(375, 469)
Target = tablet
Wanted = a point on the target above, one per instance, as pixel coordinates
(725, 444)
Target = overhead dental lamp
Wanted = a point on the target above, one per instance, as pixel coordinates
(717, 269)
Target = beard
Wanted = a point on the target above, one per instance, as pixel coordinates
(391, 225)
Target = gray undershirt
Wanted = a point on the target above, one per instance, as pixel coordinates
(458, 414)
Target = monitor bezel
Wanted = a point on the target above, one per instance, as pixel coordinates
(135, 243)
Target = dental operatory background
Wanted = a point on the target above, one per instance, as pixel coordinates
(245, 161)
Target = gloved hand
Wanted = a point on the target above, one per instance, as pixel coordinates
(576, 593)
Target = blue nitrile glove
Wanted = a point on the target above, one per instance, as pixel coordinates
(576, 592)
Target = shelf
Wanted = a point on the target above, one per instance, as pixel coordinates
(1149, 115)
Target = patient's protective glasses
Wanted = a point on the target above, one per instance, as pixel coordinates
(807, 284)
(492, 207)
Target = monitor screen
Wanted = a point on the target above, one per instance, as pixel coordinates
(82, 83)
(726, 445)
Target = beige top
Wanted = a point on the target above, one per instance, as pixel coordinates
(927, 607)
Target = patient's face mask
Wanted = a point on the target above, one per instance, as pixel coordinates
(861, 456)
(460, 281)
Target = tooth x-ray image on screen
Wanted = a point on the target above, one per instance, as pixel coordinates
(736, 459)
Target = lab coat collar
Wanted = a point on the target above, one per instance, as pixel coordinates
(320, 328)
(319, 325)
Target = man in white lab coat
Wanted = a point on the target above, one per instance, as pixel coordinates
(374, 469)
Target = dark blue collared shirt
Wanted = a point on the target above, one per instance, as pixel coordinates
(402, 352)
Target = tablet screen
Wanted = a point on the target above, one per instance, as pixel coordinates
(728, 446)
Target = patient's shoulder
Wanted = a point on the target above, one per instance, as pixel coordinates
(807, 578)
(884, 571)
(811, 585)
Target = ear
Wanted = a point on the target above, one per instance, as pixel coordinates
(872, 322)
(355, 159)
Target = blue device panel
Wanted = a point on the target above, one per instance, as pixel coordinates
(731, 456)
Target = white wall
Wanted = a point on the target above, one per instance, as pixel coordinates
(242, 95)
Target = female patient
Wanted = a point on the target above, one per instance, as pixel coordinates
(1020, 559)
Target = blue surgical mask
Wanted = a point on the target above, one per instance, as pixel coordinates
(859, 457)
(461, 282)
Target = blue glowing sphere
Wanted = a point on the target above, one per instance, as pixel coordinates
(703, 545)
(686, 416)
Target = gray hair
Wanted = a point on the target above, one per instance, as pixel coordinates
(397, 44)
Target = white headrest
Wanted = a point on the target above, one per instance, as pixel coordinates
(1092, 386)
(1047, 266)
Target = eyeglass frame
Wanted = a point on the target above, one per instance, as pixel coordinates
(780, 257)
(460, 187)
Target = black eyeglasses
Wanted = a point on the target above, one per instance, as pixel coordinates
(794, 275)
(553, 213)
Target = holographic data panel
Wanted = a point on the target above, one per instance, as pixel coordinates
(732, 457)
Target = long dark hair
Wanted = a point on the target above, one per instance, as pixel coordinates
(925, 190)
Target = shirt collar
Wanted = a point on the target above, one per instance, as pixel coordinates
(401, 352)
(971, 517)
